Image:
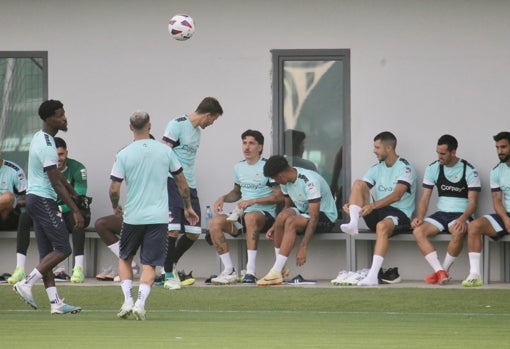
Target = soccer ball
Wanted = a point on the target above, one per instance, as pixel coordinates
(181, 27)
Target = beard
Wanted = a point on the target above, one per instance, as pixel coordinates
(504, 158)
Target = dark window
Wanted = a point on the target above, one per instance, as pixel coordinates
(23, 87)
(311, 95)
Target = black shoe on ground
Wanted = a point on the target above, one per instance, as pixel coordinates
(159, 279)
(249, 279)
(4, 277)
(62, 276)
(391, 276)
(299, 280)
(208, 281)
(380, 275)
(186, 279)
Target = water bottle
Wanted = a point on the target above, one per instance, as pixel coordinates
(208, 216)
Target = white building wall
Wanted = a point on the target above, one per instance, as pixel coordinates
(418, 68)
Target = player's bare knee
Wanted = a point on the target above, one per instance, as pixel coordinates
(457, 235)
(475, 228)
(358, 185)
(215, 226)
(419, 234)
(8, 199)
(383, 230)
(100, 224)
(290, 225)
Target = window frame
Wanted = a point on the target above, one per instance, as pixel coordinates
(279, 57)
(32, 54)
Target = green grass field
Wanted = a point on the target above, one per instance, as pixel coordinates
(255, 317)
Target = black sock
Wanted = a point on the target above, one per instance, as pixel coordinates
(170, 255)
(23, 235)
(78, 242)
(183, 244)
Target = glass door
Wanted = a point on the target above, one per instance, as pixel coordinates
(23, 87)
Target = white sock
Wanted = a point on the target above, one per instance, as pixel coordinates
(371, 278)
(127, 289)
(115, 248)
(227, 263)
(377, 262)
(20, 260)
(53, 295)
(78, 261)
(448, 261)
(143, 292)
(279, 263)
(434, 261)
(351, 228)
(250, 265)
(474, 263)
(33, 277)
(276, 251)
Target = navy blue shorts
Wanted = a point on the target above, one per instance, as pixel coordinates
(498, 225)
(150, 238)
(442, 220)
(324, 225)
(399, 218)
(268, 223)
(49, 227)
(176, 219)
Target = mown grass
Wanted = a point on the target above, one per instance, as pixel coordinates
(255, 317)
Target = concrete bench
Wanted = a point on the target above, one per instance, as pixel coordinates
(92, 241)
(370, 237)
(504, 251)
(504, 258)
(90, 233)
(334, 235)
